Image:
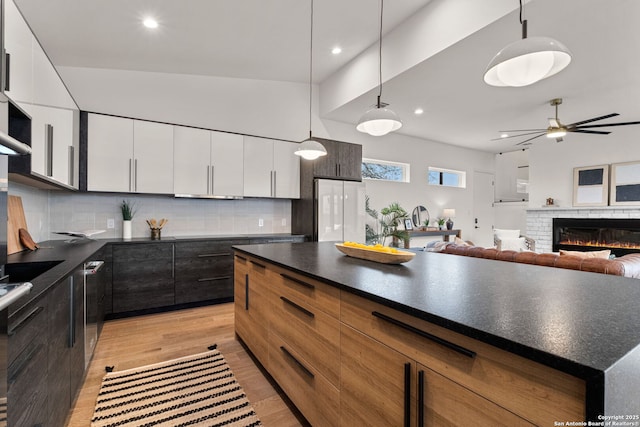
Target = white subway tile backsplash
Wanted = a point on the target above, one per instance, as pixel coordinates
(49, 211)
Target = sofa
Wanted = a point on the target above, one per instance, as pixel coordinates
(627, 265)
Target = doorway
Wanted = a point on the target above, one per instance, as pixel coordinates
(483, 194)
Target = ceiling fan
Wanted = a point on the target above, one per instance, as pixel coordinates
(557, 130)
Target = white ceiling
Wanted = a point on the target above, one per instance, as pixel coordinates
(269, 40)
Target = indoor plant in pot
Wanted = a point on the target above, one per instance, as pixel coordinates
(128, 211)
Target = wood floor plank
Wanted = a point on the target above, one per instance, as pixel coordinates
(142, 340)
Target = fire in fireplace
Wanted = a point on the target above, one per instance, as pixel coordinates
(622, 236)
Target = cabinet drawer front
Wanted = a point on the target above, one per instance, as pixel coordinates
(311, 292)
(138, 295)
(313, 395)
(204, 268)
(203, 290)
(449, 404)
(26, 327)
(310, 332)
(142, 252)
(533, 391)
(205, 248)
(27, 385)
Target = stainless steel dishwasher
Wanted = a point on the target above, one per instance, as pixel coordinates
(93, 292)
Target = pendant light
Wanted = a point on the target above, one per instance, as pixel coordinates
(310, 149)
(379, 120)
(527, 61)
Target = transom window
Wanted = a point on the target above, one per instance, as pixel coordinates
(385, 170)
(447, 177)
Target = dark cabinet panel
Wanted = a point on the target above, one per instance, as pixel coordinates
(27, 361)
(343, 161)
(59, 366)
(204, 271)
(142, 276)
(76, 354)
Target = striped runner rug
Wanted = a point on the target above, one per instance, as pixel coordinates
(197, 390)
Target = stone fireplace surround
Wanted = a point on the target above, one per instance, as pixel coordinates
(540, 223)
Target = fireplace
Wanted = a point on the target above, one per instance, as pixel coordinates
(622, 236)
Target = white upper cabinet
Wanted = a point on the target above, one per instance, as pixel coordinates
(152, 157)
(207, 163)
(18, 46)
(191, 161)
(227, 164)
(126, 155)
(109, 153)
(270, 168)
(287, 170)
(54, 148)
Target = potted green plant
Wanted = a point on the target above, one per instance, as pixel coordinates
(128, 211)
(441, 222)
(392, 216)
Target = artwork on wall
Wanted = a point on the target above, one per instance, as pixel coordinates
(591, 186)
(625, 183)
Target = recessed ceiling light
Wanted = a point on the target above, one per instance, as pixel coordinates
(336, 50)
(504, 135)
(418, 111)
(150, 23)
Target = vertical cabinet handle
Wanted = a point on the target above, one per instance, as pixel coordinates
(48, 137)
(173, 261)
(246, 292)
(72, 334)
(7, 72)
(130, 174)
(72, 166)
(407, 394)
(212, 178)
(208, 179)
(135, 175)
(421, 399)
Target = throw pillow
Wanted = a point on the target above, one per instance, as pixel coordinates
(458, 241)
(592, 254)
(436, 246)
(506, 234)
(517, 244)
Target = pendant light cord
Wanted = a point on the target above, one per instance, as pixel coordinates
(310, 68)
(523, 22)
(380, 55)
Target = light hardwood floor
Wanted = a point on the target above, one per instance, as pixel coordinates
(142, 340)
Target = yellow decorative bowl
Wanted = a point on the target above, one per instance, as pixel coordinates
(398, 257)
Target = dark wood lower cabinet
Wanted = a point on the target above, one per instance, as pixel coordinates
(59, 348)
(204, 271)
(143, 276)
(27, 371)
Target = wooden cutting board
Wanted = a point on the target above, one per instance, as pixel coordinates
(15, 213)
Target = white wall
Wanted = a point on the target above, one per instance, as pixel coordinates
(551, 164)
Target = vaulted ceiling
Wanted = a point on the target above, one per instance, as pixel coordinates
(434, 55)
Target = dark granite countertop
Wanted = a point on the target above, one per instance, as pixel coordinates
(577, 322)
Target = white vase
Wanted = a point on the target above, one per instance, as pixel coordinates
(126, 229)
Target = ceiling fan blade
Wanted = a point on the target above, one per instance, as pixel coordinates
(598, 132)
(530, 139)
(516, 136)
(595, 119)
(609, 124)
(524, 130)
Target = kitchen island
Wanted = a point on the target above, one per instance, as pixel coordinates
(465, 335)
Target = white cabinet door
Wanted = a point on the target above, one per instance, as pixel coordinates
(191, 161)
(48, 88)
(227, 164)
(52, 135)
(258, 167)
(109, 153)
(286, 166)
(18, 44)
(153, 157)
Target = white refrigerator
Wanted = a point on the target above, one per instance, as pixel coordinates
(339, 211)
